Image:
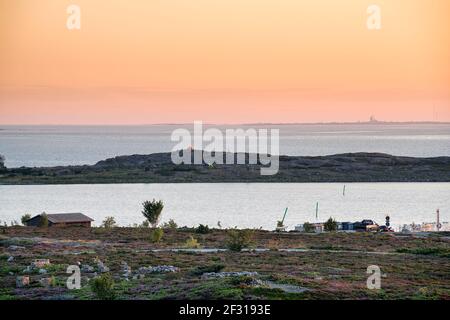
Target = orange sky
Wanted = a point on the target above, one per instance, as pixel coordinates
(223, 61)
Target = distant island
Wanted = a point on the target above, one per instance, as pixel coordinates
(158, 168)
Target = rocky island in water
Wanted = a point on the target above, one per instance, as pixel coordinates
(159, 168)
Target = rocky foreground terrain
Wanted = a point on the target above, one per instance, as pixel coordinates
(34, 264)
(158, 168)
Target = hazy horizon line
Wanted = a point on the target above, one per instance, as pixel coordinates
(230, 124)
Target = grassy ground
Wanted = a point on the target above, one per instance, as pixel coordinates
(328, 266)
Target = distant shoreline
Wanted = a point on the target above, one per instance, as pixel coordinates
(237, 124)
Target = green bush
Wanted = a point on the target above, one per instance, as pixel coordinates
(239, 239)
(191, 243)
(198, 271)
(157, 235)
(109, 222)
(330, 225)
(25, 218)
(43, 223)
(171, 224)
(103, 287)
(202, 229)
(152, 211)
(2, 163)
(308, 227)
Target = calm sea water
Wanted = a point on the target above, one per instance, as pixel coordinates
(71, 145)
(235, 204)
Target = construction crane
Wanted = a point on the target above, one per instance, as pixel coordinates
(280, 224)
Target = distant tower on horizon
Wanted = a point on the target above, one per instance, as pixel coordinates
(373, 120)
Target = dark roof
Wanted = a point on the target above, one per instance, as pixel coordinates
(67, 217)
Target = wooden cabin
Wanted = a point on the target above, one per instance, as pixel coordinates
(61, 219)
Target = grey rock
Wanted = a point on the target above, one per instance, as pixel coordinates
(215, 275)
(42, 271)
(14, 248)
(158, 269)
(87, 268)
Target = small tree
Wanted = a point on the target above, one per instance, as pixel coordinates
(109, 222)
(239, 239)
(171, 224)
(191, 243)
(25, 218)
(152, 211)
(202, 229)
(308, 227)
(103, 287)
(157, 235)
(144, 224)
(330, 225)
(43, 223)
(2, 162)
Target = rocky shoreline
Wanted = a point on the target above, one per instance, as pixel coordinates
(158, 168)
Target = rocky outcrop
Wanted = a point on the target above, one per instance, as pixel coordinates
(158, 168)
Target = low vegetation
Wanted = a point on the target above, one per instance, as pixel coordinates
(43, 222)
(202, 229)
(103, 287)
(156, 235)
(308, 227)
(330, 225)
(330, 265)
(191, 243)
(109, 222)
(25, 218)
(171, 224)
(239, 239)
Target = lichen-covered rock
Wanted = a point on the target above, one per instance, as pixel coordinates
(40, 263)
(101, 267)
(87, 268)
(42, 271)
(158, 269)
(126, 270)
(22, 281)
(212, 275)
(15, 248)
(47, 282)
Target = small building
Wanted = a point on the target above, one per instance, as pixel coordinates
(317, 227)
(61, 219)
(347, 226)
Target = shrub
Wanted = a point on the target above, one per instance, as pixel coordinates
(191, 243)
(103, 287)
(157, 235)
(43, 223)
(171, 224)
(202, 229)
(330, 225)
(144, 224)
(25, 218)
(2, 162)
(152, 211)
(308, 227)
(198, 271)
(239, 239)
(109, 222)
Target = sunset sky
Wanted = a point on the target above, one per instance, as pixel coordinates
(223, 61)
